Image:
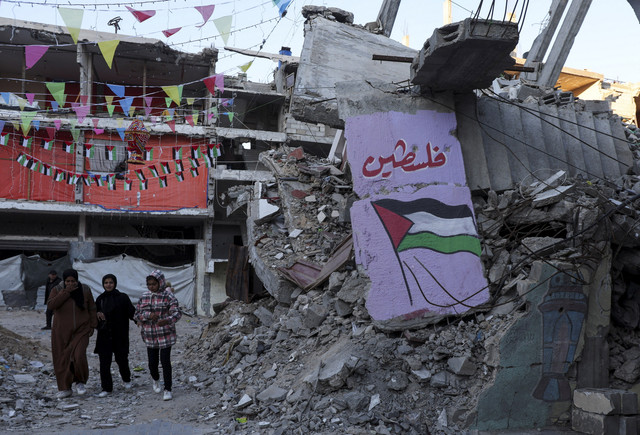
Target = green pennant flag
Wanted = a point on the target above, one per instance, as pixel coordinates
(223, 24)
(26, 118)
(230, 115)
(110, 108)
(167, 100)
(57, 91)
(73, 20)
(75, 132)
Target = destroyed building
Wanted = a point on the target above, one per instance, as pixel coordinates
(529, 320)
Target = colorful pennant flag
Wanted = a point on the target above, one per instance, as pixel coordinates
(148, 153)
(213, 150)
(246, 66)
(163, 181)
(73, 20)
(89, 150)
(177, 153)
(170, 32)
(180, 176)
(119, 90)
(153, 170)
(195, 152)
(140, 175)
(125, 104)
(174, 92)
(26, 117)
(108, 50)
(33, 53)
(141, 15)
(165, 167)
(282, 6)
(223, 24)
(206, 12)
(111, 152)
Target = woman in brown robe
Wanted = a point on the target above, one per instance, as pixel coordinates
(74, 321)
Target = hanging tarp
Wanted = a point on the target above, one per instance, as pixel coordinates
(131, 273)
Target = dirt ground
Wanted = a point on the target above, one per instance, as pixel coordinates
(20, 334)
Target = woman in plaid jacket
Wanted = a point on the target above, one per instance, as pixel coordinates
(157, 312)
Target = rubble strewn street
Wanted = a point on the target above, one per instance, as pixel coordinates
(319, 364)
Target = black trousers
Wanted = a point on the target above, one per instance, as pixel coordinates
(122, 359)
(49, 317)
(164, 357)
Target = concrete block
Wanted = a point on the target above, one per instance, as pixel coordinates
(606, 401)
(596, 424)
(629, 425)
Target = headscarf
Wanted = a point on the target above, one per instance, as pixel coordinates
(159, 276)
(113, 277)
(77, 295)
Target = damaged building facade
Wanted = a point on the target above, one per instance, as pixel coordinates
(77, 191)
(492, 221)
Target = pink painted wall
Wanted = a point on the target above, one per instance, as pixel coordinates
(409, 167)
(391, 150)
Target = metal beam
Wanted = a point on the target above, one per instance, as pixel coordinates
(543, 40)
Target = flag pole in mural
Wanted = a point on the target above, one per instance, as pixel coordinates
(427, 223)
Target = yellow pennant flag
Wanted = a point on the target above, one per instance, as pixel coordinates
(174, 92)
(108, 50)
(195, 117)
(26, 118)
(73, 20)
(119, 122)
(190, 101)
(16, 125)
(223, 24)
(246, 66)
(21, 102)
(132, 110)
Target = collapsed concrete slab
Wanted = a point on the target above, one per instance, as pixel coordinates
(466, 55)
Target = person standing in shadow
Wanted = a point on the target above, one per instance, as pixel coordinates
(52, 280)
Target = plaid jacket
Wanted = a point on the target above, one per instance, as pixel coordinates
(166, 305)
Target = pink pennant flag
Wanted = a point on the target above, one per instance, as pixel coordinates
(97, 130)
(33, 53)
(81, 111)
(147, 110)
(51, 131)
(170, 32)
(214, 81)
(206, 12)
(57, 123)
(210, 115)
(141, 15)
(172, 125)
(148, 101)
(30, 96)
(189, 119)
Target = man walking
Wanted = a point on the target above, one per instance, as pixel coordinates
(52, 280)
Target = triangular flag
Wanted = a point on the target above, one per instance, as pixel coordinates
(132, 109)
(75, 132)
(148, 101)
(33, 53)
(116, 89)
(108, 49)
(246, 66)
(210, 84)
(223, 24)
(141, 15)
(110, 109)
(170, 32)
(167, 100)
(51, 131)
(230, 115)
(54, 106)
(57, 123)
(147, 110)
(206, 12)
(81, 111)
(36, 124)
(174, 92)
(6, 96)
(73, 19)
(172, 125)
(57, 90)
(125, 104)
(195, 117)
(190, 101)
(282, 6)
(30, 96)
(21, 102)
(120, 131)
(189, 119)
(26, 118)
(220, 82)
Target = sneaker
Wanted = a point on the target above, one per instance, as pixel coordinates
(63, 394)
(103, 394)
(81, 389)
(156, 387)
(167, 395)
(127, 385)
(45, 328)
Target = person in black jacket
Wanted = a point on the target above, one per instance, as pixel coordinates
(114, 312)
(52, 280)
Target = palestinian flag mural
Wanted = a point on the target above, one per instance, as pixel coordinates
(429, 224)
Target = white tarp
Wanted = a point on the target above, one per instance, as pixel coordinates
(132, 272)
(11, 275)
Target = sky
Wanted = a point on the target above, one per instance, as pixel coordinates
(605, 44)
